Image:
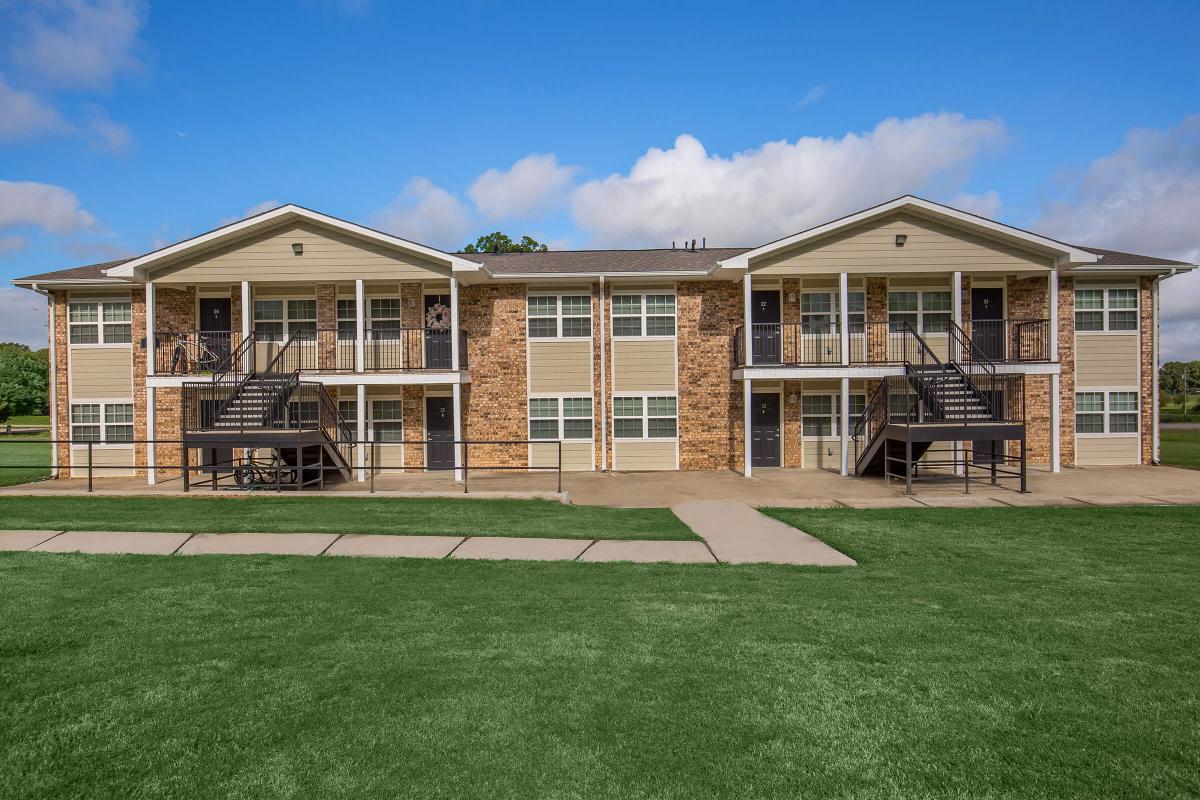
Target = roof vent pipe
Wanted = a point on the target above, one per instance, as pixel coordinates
(672, 245)
(693, 245)
(704, 243)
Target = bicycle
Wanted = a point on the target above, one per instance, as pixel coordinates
(191, 349)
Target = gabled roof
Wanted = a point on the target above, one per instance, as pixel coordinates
(605, 262)
(927, 208)
(1114, 259)
(135, 267)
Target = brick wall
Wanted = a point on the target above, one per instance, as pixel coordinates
(793, 444)
(1146, 395)
(1028, 298)
(414, 425)
(877, 311)
(175, 309)
(412, 305)
(61, 395)
(326, 320)
(494, 403)
(168, 425)
(600, 408)
(140, 354)
(1066, 361)
(710, 417)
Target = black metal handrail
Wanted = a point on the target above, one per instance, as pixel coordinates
(1012, 340)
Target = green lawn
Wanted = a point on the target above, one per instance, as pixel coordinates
(998, 653)
(1180, 448)
(28, 419)
(405, 516)
(15, 458)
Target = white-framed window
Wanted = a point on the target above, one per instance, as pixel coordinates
(347, 319)
(820, 311)
(552, 418)
(1106, 412)
(927, 310)
(645, 417)
(1106, 309)
(100, 321)
(820, 414)
(106, 423)
(649, 314)
(384, 318)
(276, 320)
(387, 420)
(566, 316)
(349, 411)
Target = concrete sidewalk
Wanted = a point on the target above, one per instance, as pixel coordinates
(738, 534)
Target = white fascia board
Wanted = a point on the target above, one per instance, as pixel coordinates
(341, 379)
(132, 268)
(1072, 253)
(591, 276)
(1141, 269)
(67, 283)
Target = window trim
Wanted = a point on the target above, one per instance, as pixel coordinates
(103, 424)
(1107, 413)
(371, 420)
(559, 316)
(835, 416)
(835, 314)
(921, 291)
(286, 320)
(1106, 309)
(560, 417)
(99, 323)
(642, 336)
(645, 417)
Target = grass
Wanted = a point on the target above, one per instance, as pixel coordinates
(28, 419)
(1180, 448)
(15, 458)
(404, 516)
(998, 653)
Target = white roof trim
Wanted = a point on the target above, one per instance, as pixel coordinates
(131, 268)
(1073, 254)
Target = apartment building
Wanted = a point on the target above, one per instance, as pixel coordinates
(909, 333)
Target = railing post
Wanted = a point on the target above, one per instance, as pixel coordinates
(560, 466)
(183, 461)
(89, 466)
(1024, 488)
(371, 445)
(466, 449)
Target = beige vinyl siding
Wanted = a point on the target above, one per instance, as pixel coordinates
(560, 367)
(871, 248)
(633, 455)
(103, 456)
(576, 455)
(823, 452)
(1099, 450)
(387, 455)
(328, 255)
(1106, 359)
(101, 372)
(644, 365)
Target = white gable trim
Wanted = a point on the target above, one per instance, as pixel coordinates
(1066, 253)
(134, 268)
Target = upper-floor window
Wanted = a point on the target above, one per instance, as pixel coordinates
(1106, 310)
(559, 316)
(819, 311)
(643, 315)
(924, 311)
(1106, 412)
(347, 319)
(102, 422)
(276, 320)
(100, 322)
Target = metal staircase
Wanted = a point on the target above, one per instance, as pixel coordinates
(962, 399)
(255, 411)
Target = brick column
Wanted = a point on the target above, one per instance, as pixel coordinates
(140, 429)
(1146, 316)
(599, 400)
(790, 315)
(168, 424)
(61, 397)
(495, 406)
(877, 312)
(414, 425)
(793, 440)
(326, 321)
(1066, 362)
(966, 304)
(710, 401)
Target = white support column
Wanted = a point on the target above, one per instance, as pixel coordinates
(151, 350)
(746, 317)
(1052, 312)
(844, 324)
(360, 344)
(151, 455)
(458, 448)
(1155, 368)
(845, 416)
(361, 427)
(53, 384)
(1055, 425)
(247, 325)
(603, 410)
(454, 323)
(746, 397)
(956, 311)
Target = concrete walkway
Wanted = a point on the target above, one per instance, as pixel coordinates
(738, 534)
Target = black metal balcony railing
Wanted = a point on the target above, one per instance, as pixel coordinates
(226, 353)
(1012, 340)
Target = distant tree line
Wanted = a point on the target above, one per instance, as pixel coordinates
(24, 380)
(1177, 378)
(499, 242)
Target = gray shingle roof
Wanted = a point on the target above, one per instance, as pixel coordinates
(87, 272)
(592, 262)
(1115, 258)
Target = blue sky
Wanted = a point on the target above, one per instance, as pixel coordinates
(126, 125)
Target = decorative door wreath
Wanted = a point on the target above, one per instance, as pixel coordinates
(438, 317)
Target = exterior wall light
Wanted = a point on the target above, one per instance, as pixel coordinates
(901, 239)
(298, 248)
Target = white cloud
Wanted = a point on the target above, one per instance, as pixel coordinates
(12, 244)
(812, 95)
(1144, 197)
(535, 183)
(257, 208)
(105, 133)
(428, 214)
(78, 43)
(779, 188)
(42, 205)
(985, 205)
(24, 114)
(23, 317)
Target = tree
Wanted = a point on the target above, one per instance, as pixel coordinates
(499, 242)
(24, 380)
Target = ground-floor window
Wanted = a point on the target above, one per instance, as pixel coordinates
(349, 411)
(820, 413)
(387, 420)
(102, 422)
(1106, 412)
(552, 418)
(645, 417)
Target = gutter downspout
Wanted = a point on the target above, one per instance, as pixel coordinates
(603, 385)
(1154, 292)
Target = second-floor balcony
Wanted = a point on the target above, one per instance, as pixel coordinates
(806, 344)
(312, 350)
